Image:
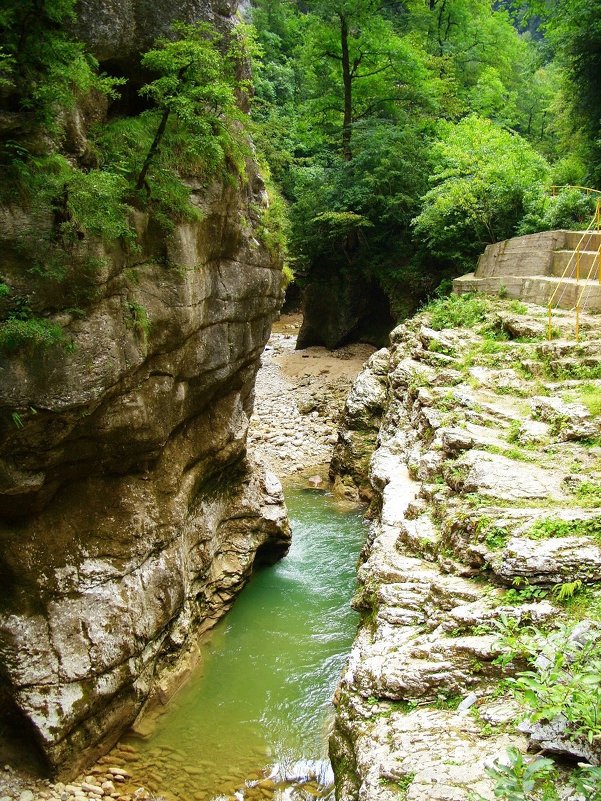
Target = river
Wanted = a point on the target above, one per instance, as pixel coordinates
(253, 722)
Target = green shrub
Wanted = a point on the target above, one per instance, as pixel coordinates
(95, 205)
(34, 333)
(138, 320)
(457, 311)
(549, 527)
(570, 208)
(520, 778)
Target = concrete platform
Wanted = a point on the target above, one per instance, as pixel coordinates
(531, 268)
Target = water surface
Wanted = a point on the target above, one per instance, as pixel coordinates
(260, 704)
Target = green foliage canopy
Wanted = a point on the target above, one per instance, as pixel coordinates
(481, 175)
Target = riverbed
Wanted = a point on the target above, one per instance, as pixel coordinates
(285, 639)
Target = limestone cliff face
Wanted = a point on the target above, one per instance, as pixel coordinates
(130, 512)
(470, 464)
(120, 29)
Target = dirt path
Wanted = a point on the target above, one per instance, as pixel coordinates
(299, 399)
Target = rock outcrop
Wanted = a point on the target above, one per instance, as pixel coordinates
(341, 306)
(131, 513)
(485, 489)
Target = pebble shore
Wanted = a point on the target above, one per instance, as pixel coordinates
(299, 400)
(105, 780)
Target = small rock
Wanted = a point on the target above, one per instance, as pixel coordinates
(87, 787)
(467, 702)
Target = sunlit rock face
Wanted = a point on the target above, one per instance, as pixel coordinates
(130, 511)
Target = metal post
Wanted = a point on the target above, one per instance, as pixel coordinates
(549, 325)
(577, 293)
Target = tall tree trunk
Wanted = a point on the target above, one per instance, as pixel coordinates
(156, 142)
(347, 83)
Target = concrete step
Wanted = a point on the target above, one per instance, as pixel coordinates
(592, 240)
(590, 263)
(509, 285)
(542, 290)
(536, 289)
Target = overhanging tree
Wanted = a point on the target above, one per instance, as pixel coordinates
(193, 87)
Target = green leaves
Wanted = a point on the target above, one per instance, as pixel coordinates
(523, 779)
(564, 679)
(481, 175)
(43, 68)
(194, 93)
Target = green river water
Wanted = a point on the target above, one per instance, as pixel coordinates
(253, 722)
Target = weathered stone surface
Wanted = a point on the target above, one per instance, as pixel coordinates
(365, 403)
(421, 712)
(550, 561)
(122, 28)
(500, 477)
(554, 737)
(518, 326)
(570, 421)
(130, 514)
(341, 306)
(362, 414)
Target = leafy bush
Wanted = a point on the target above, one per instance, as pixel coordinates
(481, 176)
(520, 778)
(95, 205)
(564, 679)
(457, 311)
(523, 779)
(43, 68)
(549, 527)
(570, 208)
(35, 333)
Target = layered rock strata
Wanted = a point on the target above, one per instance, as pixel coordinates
(130, 512)
(485, 482)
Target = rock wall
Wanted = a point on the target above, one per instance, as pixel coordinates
(130, 512)
(341, 306)
(481, 479)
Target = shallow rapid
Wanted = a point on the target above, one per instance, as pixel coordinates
(253, 722)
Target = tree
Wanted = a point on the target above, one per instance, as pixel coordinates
(481, 175)
(192, 86)
(575, 28)
(358, 66)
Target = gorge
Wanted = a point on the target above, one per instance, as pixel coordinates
(131, 513)
(163, 169)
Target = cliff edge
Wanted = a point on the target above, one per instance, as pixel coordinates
(130, 511)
